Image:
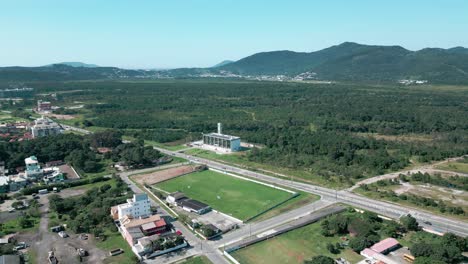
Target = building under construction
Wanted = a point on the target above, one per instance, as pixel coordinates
(219, 141)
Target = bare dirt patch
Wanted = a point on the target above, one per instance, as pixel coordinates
(163, 175)
(451, 196)
(61, 117)
(71, 174)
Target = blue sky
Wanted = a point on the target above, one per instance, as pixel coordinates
(190, 33)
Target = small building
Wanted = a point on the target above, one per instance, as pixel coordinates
(219, 140)
(9, 259)
(134, 229)
(194, 206)
(17, 181)
(212, 229)
(385, 246)
(45, 127)
(4, 184)
(174, 198)
(121, 166)
(53, 175)
(155, 227)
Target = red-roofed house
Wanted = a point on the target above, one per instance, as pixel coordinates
(156, 227)
(385, 246)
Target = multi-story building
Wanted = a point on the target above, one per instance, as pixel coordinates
(43, 106)
(138, 206)
(33, 169)
(219, 141)
(45, 127)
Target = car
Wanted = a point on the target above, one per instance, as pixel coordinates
(20, 245)
(11, 210)
(427, 223)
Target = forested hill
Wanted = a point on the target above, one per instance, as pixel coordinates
(63, 72)
(352, 61)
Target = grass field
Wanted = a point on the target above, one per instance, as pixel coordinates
(114, 240)
(196, 260)
(239, 198)
(461, 167)
(293, 247)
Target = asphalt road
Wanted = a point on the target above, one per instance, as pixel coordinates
(395, 211)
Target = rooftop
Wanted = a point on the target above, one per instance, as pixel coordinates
(155, 224)
(177, 195)
(384, 245)
(193, 204)
(128, 222)
(4, 180)
(221, 136)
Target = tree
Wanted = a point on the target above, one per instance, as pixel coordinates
(409, 222)
(24, 222)
(427, 260)
(358, 243)
(332, 249)
(422, 250)
(105, 187)
(17, 204)
(320, 260)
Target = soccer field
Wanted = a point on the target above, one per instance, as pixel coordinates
(233, 196)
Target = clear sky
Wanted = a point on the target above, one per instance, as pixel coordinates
(200, 33)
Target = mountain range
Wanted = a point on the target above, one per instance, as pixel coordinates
(345, 62)
(74, 64)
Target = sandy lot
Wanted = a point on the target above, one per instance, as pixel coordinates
(162, 175)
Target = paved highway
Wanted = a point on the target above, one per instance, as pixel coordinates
(395, 211)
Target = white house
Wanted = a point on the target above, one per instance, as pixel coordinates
(138, 206)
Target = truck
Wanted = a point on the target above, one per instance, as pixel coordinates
(56, 229)
(43, 191)
(116, 252)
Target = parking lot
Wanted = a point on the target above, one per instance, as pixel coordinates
(65, 249)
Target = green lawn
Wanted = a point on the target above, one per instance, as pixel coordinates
(196, 260)
(293, 247)
(112, 183)
(13, 226)
(461, 167)
(239, 198)
(299, 201)
(168, 146)
(115, 240)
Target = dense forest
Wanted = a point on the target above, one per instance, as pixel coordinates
(79, 151)
(347, 130)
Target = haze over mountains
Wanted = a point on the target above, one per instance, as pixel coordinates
(345, 62)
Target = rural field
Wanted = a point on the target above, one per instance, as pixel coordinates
(240, 198)
(293, 247)
(456, 166)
